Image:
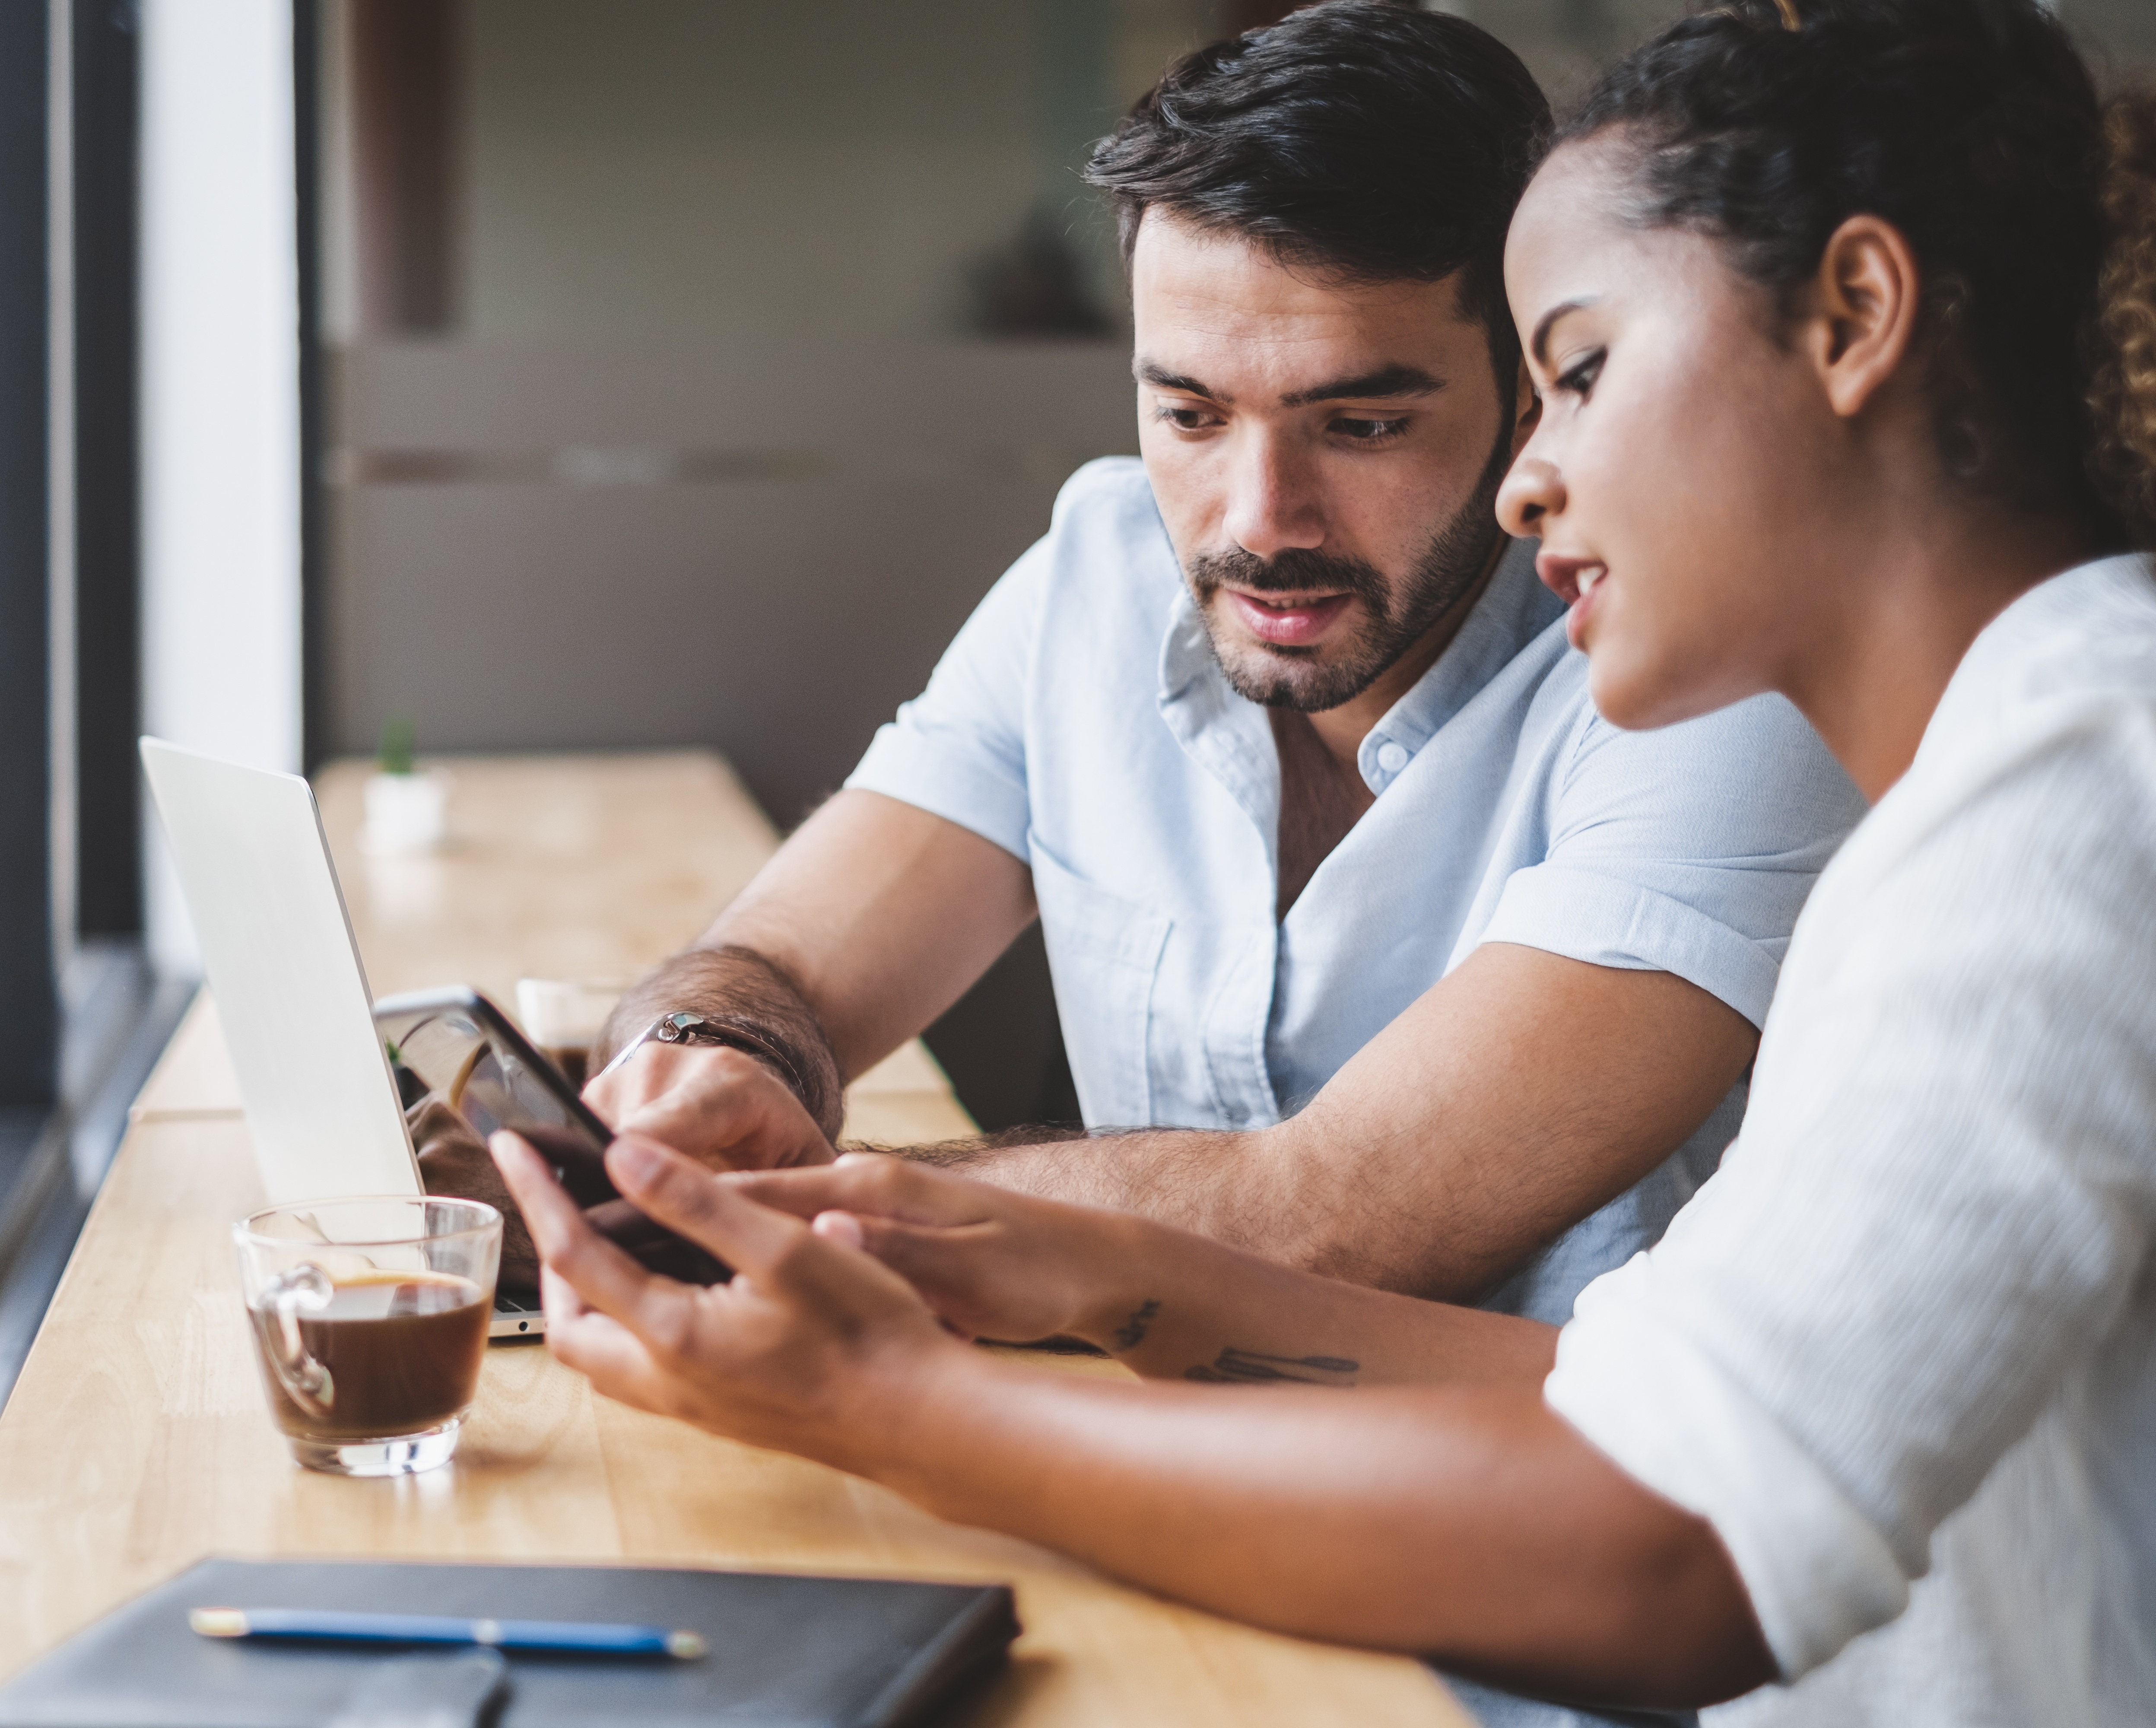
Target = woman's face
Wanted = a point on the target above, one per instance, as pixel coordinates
(1684, 458)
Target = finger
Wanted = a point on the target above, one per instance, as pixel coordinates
(868, 1183)
(602, 1275)
(840, 1226)
(598, 1347)
(693, 1202)
(928, 1256)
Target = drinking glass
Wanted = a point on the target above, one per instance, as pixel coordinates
(370, 1320)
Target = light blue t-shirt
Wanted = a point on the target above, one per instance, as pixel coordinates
(1079, 721)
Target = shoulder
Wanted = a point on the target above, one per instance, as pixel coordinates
(1759, 754)
(2066, 676)
(1108, 499)
(1106, 560)
(2089, 632)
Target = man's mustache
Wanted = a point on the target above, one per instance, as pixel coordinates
(1296, 571)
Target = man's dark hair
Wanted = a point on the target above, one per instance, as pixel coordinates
(1362, 140)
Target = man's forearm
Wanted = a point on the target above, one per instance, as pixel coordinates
(1253, 1190)
(1451, 1148)
(738, 984)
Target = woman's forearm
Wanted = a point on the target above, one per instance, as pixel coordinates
(1464, 1520)
(1467, 1523)
(1170, 1303)
(1173, 1306)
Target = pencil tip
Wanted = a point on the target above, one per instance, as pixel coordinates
(686, 1646)
(217, 1622)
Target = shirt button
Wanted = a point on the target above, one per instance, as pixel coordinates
(1391, 757)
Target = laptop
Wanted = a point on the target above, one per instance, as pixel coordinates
(322, 1104)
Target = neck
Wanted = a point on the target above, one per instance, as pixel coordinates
(1922, 595)
(1342, 729)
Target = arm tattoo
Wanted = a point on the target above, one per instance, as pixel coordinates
(739, 984)
(1248, 1367)
(1132, 1332)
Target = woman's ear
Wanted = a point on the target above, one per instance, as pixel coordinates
(1866, 301)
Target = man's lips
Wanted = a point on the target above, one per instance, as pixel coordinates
(1296, 623)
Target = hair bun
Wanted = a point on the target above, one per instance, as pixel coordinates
(2122, 384)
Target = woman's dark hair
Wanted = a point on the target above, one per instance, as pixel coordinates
(1973, 126)
(1364, 141)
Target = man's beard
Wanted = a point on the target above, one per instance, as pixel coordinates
(1449, 565)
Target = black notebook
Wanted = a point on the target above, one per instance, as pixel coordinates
(785, 1652)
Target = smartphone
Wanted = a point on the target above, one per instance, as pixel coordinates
(456, 1042)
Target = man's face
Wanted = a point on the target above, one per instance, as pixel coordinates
(1326, 457)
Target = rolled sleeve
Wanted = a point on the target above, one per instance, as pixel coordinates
(1606, 921)
(1663, 857)
(1817, 1572)
(958, 749)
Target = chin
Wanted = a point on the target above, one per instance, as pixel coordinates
(1641, 696)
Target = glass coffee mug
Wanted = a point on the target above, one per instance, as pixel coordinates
(370, 1322)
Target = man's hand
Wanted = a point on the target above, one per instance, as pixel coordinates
(811, 1346)
(721, 1106)
(990, 1263)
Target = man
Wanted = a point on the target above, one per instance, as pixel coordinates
(1436, 982)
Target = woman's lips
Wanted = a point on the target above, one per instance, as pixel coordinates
(1573, 581)
(1294, 624)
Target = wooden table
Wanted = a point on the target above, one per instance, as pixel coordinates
(136, 1439)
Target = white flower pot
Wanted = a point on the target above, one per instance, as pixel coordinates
(406, 812)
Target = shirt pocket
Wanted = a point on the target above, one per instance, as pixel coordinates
(1104, 953)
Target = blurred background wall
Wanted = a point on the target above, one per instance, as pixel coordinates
(692, 368)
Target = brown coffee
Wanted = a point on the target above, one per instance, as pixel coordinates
(402, 1350)
(574, 1060)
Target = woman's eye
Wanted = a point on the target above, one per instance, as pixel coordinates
(1369, 432)
(1578, 378)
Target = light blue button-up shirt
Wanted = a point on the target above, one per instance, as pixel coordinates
(1079, 721)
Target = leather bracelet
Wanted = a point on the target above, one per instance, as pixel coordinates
(721, 1031)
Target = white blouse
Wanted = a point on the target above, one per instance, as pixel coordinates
(1906, 1336)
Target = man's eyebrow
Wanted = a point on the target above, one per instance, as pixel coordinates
(1536, 343)
(1388, 381)
(1161, 378)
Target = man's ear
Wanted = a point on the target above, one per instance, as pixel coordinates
(1865, 299)
(1526, 409)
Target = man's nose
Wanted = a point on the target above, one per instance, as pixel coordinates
(1274, 503)
(1531, 491)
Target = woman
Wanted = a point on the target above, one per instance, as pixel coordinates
(1808, 289)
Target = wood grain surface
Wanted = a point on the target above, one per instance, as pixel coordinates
(137, 1439)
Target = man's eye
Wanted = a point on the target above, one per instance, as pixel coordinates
(1578, 378)
(1369, 432)
(1186, 419)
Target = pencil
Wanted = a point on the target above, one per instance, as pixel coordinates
(327, 1625)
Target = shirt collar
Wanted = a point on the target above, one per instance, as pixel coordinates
(1225, 731)
(1514, 609)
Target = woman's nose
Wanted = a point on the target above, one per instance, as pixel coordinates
(1531, 491)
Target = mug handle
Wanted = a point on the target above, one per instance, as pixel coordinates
(304, 1380)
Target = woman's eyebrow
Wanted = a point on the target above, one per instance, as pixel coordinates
(1537, 344)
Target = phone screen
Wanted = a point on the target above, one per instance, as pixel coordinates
(458, 1045)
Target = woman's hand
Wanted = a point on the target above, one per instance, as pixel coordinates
(813, 1348)
(992, 1263)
